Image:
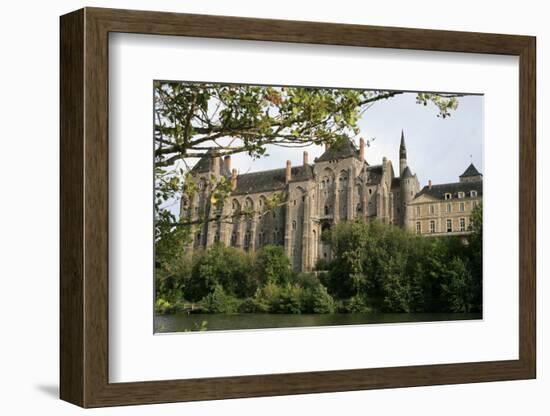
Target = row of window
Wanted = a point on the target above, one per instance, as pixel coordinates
(448, 208)
(460, 195)
(449, 226)
(262, 238)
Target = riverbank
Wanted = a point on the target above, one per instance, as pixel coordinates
(183, 322)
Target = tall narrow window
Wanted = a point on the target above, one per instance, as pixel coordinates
(449, 226)
(418, 211)
(293, 225)
(432, 209)
(463, 224)
(418, 228)
(462, 207)
(432, 226)
(449, 207)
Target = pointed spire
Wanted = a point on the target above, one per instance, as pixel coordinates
(402, 154)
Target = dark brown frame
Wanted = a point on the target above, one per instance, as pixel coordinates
(84, 209)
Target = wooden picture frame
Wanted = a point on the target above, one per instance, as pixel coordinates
(84, 207)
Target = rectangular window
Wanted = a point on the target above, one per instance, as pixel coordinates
(418, 211)
(418, 228)
(432, 226)
(462, 207)
(449, 226)
(461, 194)
(432, 209)
(463, 224)
(449, 207)
(474, 204)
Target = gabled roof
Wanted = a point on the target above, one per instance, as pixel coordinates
(340, 150)
(439, 191)
(270, 180)
(470, 171)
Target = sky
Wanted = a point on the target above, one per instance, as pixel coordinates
(437, 149)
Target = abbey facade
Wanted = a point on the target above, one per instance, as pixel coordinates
(339, 186)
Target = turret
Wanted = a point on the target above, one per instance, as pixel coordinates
(402, 155)
(409, 188)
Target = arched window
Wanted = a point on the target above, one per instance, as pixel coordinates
(327, 210)
(293, 225)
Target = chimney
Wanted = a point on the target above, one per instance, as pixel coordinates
(306, 158)
(233, 179)
(227, 162)
(216, 164)
(288, 171)
(362, 149)
(430, 184)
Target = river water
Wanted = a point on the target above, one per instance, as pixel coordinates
(180, 322)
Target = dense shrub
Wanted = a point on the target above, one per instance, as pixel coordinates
(375, 268)
(272, 265)
(219, 302)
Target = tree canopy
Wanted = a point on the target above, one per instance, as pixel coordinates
(194, 119)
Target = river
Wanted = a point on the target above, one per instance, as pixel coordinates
(180, 322)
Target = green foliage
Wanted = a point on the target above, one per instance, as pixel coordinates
(387, 268)
(357, 304)
(218, 301)
(307, 280)
(192, 119)
(272, 265)
(224, 266)
(375, 268)
(321, 300)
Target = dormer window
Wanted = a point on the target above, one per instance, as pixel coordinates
(448, 196)
(461, 194)
(473, 194)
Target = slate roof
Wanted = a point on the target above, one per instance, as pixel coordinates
(270, 180)
(407, 173)
(341, 150)
(205, 163)
(470, 171)
(374, 174)
(439, 191)
(395, 183)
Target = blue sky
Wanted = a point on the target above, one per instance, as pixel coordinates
(437, 149)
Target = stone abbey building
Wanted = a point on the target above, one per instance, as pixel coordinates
(340, 185)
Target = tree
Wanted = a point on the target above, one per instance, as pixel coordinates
(222, 266)
(272, 265)
(192, 120)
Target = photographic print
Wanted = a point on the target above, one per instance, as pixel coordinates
(291, 206)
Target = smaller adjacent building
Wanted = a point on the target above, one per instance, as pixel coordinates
(446, 208)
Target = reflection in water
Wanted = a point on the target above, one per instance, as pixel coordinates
(215, 322)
